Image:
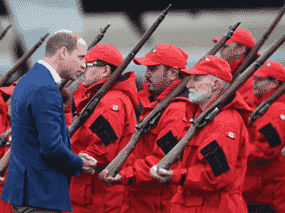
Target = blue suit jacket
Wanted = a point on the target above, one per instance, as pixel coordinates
(41, 163)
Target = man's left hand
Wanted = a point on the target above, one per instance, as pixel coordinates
(163, 176)
(109, 180)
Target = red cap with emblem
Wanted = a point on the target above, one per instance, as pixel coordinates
(272, 69)
(211, 65)
(240, 36)
(166, 54)
(105, 52)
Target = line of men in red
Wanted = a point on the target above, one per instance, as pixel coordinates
(226, 167)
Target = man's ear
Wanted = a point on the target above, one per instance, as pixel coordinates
(173, 73)
(107, 71)
(217, 85)
(62, 53)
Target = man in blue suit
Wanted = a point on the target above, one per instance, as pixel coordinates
(41, 162)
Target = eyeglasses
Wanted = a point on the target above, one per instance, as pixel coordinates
(93, 65)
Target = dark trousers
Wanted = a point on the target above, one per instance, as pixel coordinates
(31, 209)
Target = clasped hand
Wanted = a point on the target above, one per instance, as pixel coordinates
(88, 163)
(109, 180)
(163, 176)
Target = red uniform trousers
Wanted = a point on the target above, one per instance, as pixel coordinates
(265, 176)
(4, 206)
(211, 174)
(102, 137)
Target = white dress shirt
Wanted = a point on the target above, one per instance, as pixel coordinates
(53, 73)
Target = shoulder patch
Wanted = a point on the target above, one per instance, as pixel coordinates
(271, 135)
(103, 129)
(216, 158)
(167, 142)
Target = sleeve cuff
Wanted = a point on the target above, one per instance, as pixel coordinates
(126, 174)
(177, 174)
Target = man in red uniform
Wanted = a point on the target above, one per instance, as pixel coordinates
(211, 173)
(6, 92)
(264, 182)
(105, 132)
(236, 48)
(235, 51)
(163, 75)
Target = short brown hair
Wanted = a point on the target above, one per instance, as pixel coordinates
(60, 40)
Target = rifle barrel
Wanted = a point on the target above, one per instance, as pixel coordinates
(98, 38)
(4, 32)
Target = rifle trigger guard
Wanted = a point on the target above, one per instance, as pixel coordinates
(264, 109)
(212, 114)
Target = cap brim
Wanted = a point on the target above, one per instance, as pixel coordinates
(7, 90)
(193, 71)
(145, 61)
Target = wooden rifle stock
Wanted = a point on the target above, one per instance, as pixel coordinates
(252, 55)
(89, 108)
(6, 77)
(152, 118)
(4, 32)
(264, 106)
(208, 115)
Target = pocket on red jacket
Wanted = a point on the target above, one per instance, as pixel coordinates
(80, 194)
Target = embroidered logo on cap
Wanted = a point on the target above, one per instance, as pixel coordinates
(115, 107)
(282, 117)
(152, 50)
(231, 135)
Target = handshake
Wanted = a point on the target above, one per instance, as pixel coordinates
(88, 164)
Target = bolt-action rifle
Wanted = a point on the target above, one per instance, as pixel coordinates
(208, 114)
(152, 118)
(91, 105)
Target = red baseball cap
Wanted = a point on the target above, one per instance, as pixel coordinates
(166, 54)
(211, 65)
(240, 36)
(272, 69)
(8, 90)
(105, 52)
